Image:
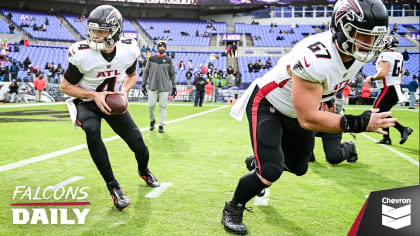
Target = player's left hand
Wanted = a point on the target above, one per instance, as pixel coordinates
(324, 107)
(173, 94)
(368, 79)
(380, 120)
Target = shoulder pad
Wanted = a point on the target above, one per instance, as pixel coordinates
(76, 51)
(305, 65)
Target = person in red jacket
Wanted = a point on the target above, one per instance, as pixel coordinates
(39, 85)
(26, 42)
(228, 51)
(365, 94)
(209, 91)
(346, 94)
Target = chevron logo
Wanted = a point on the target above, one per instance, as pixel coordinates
(396, 218)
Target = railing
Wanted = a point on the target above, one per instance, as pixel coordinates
(302, 12)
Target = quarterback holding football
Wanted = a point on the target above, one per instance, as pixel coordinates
(105, 64)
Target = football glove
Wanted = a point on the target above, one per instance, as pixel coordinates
(144, 89)
(173, 94)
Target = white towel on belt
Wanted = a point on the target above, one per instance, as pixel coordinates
(73, 111)
(237, 110)
(401, 97)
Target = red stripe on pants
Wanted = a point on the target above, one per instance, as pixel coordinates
(382, 96)
(257, 99)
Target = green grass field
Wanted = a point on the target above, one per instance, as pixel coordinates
(203, 157)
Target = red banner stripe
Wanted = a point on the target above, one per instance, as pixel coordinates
(355, 227)
(51, 204)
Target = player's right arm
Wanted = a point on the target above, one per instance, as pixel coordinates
(384, 67)
(306, 96)
(68, 86)
(306, 69)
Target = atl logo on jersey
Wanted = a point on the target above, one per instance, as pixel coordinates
(107, 73)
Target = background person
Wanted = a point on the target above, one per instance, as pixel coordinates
(160, 73)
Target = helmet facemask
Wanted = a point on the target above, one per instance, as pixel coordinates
(360, 49)
(108, 41)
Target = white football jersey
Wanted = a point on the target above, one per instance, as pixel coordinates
(394, 74)
(315, 59)
(98, 73)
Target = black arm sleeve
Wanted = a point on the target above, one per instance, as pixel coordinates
(73, 74)
(132, 68)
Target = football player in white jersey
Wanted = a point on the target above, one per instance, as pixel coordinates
(282, 107)
(102, 65)
(390, 70)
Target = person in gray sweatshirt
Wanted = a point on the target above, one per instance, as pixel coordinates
(160, 72)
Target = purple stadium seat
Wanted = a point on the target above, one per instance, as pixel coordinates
(54, 30)
(176, 26)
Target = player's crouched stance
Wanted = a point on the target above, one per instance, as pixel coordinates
(282, 115)
(103, 65)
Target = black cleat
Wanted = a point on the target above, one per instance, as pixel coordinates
(251, 163)
(386, 141)
(161, 129)
(353, 155)
(149, 178)
(121, 200)
(232, 219)
(312, 158)
(404, 135)
(152, 125)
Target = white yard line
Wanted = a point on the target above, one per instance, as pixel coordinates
(81, 146)
(68, 181)
(262, 201)
(40, 158)
(410, 159)
(156, 192)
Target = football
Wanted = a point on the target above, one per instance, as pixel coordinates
(117, 102)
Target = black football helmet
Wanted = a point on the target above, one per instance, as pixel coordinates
(391, 41)
(352, 18)
(104, 18)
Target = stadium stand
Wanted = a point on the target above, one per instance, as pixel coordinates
(197, 59)
(4, 27)
(40, 55)
(263, 38)
(54, 30)
(155, 29)
(248, 77)
(80, 27)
